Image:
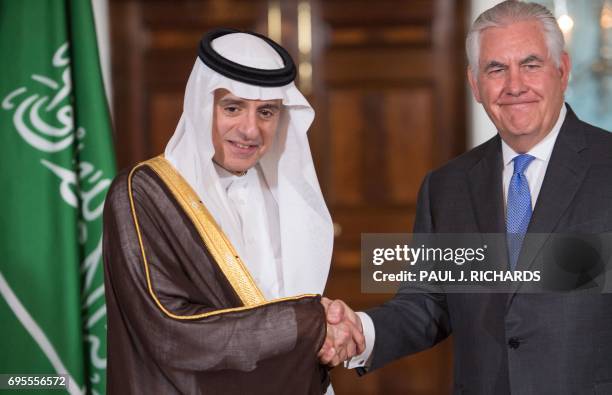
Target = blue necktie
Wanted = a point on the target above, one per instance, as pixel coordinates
(518, 211)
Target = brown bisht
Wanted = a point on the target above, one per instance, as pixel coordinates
(184, 314)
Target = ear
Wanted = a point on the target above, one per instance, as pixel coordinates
(473, 84)
(565, 67)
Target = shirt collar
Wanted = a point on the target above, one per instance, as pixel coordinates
(227, 178)
(541, 150)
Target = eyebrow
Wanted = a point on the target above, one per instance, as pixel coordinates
(530, 59)
(229, 100)
(241, 103)
(494, 64)
(269, 106)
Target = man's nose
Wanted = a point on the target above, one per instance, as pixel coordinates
(248, 125)
(515, 85)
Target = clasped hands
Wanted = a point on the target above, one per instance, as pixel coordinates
(344, 337)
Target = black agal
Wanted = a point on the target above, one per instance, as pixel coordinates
(238, 72)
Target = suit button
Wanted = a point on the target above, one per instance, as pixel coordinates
(514, 343)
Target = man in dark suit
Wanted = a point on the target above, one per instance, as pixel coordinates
(545, 172)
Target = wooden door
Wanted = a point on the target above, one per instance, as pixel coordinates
(390, 100)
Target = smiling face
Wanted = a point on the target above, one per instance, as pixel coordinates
(243, 130)
(518, 84)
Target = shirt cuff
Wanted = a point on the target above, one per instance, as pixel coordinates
(362, 359)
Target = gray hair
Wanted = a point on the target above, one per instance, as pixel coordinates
(507, 13)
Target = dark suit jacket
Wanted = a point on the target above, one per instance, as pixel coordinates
(513, 343)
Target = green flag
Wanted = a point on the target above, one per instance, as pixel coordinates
(56, 164)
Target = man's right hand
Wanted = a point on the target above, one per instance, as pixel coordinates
(344, 337)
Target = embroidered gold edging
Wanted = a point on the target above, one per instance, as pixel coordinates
(219, 246)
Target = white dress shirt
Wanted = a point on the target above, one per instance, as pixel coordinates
(256, 212)
(537, 168)
(535, 176)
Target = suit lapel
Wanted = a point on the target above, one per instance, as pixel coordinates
(564, 175)
(485, 180)
(563, 178)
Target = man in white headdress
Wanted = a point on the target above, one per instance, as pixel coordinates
(215, 252)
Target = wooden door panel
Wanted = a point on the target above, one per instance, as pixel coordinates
(379, 142)
(166, 109)
(409, 125)
(357, 65)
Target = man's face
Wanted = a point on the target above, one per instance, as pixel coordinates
(518, 83)
(243, 130)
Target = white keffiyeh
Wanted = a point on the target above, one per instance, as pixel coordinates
(284, 181)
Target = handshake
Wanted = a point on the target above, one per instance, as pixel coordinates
(344, 337)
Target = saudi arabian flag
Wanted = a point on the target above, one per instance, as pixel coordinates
(56, 164)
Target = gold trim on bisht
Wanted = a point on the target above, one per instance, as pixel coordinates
(213, 237)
